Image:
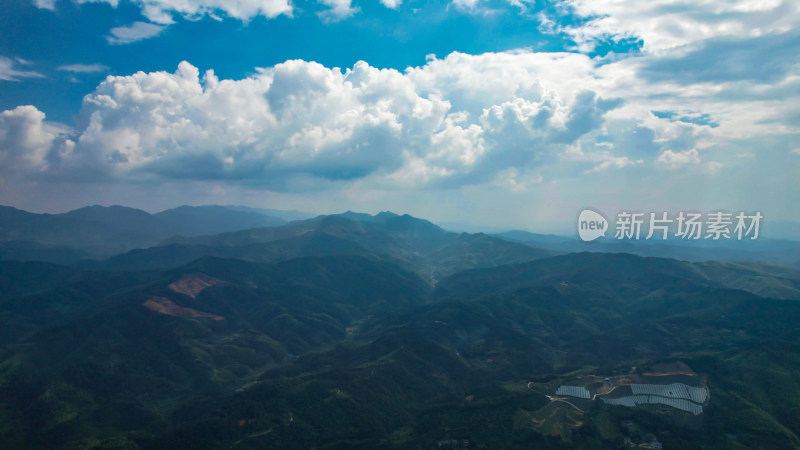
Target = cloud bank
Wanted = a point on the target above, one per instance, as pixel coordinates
(464, 119)
(676, 116)
(461, 120)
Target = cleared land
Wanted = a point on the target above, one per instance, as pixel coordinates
(193, 284)
(671, 384)
(163, 305)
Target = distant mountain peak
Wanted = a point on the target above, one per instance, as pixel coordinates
(383, 215)
(122, 217)
(409, 222)
(361, 217)
(392, 221)
(100, 209)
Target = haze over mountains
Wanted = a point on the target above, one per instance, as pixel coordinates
(224, 327)
(763, 249)
(96, 233)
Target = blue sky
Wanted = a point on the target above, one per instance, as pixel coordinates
(497, 113)
(386, 38)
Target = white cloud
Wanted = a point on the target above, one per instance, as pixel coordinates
(512, 120)
(478, 7)
(300, 120)
(522, 5)
(466, 4)
(161, 11)
(666, 24)
(676, 160)
(9, 72)
(520, 120)
(134, 32)
(391, 4)
(83, 68)
(45, 4)
(339, 9)
(26, 141)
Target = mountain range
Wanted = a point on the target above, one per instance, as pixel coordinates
(376, 331)
(98, 231)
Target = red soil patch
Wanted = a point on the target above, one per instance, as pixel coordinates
(162, 305)
(193, 284)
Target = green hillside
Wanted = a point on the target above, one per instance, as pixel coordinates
(360, 351)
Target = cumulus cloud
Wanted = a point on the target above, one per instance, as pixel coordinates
(10, 72)
(136, 31)
(713, 80)
(26, 141)
(302, 121)
(509, 119)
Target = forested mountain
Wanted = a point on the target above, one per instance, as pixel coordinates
(98, 231)
(378, 331)
(358, 350)
(416, 244)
